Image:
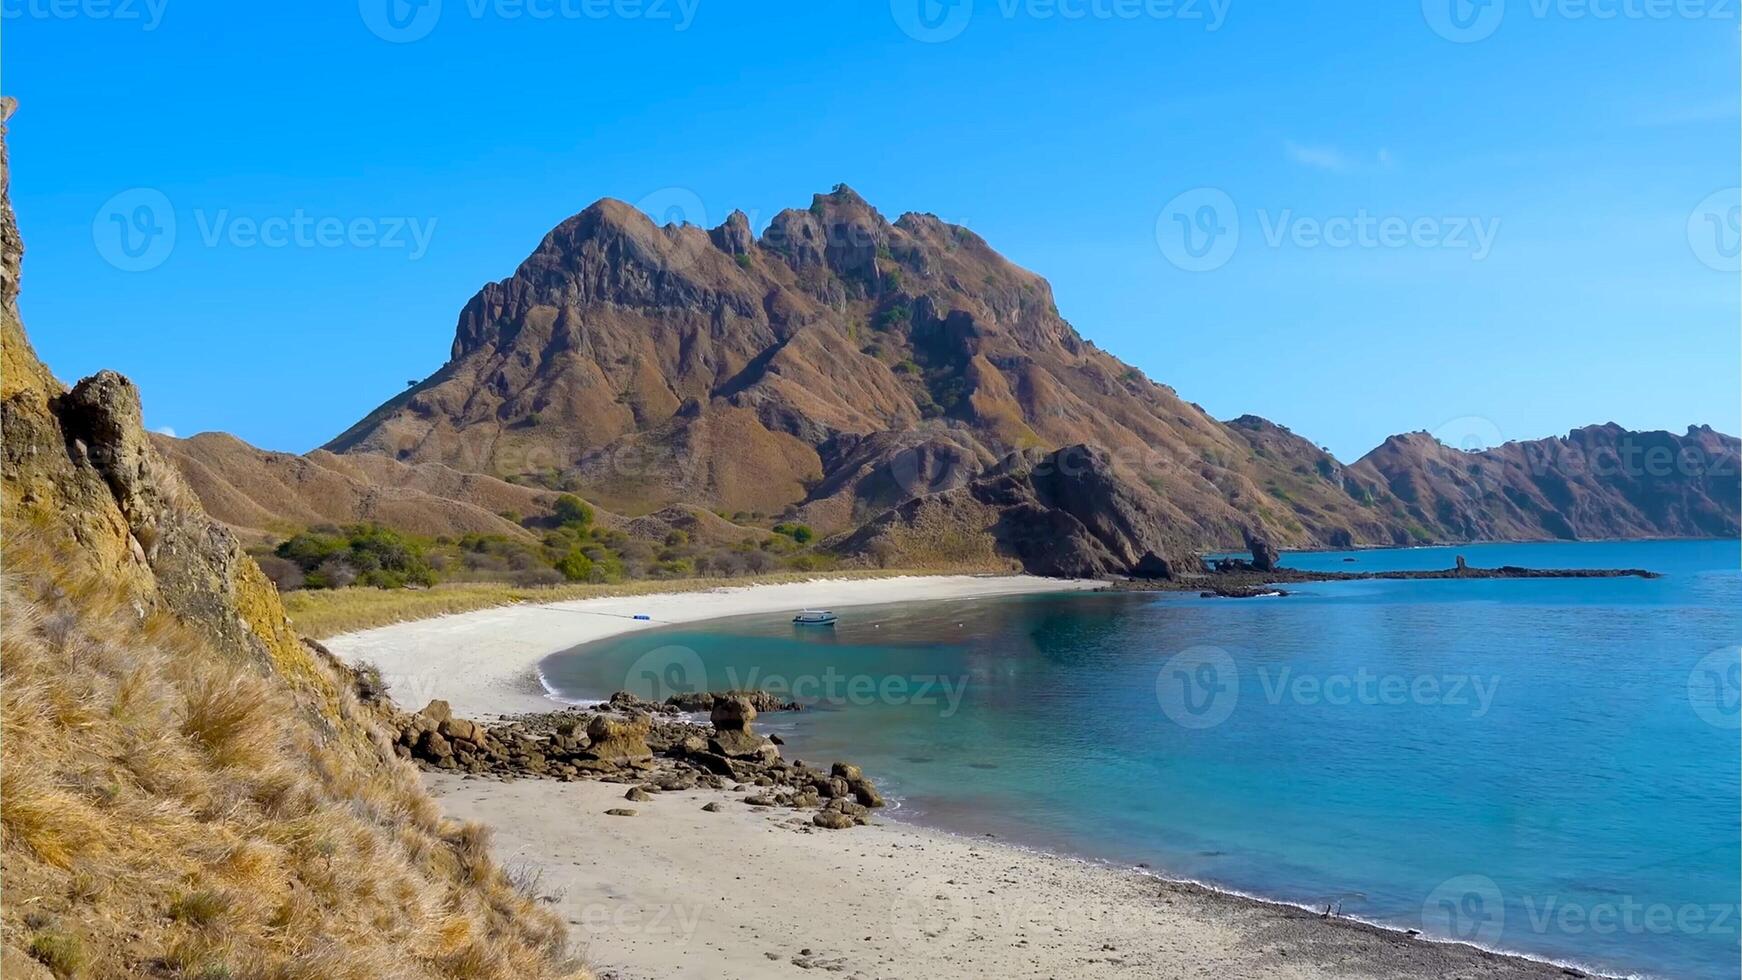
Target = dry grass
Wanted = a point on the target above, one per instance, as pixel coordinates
(168, 810)
(324, 613)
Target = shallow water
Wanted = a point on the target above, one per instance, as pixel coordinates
(1544, 766)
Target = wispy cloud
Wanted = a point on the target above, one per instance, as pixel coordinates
(164, 430)
(1317, 157)
(1723, 109)
(1333, 160)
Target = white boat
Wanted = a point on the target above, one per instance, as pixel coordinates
(814, 617)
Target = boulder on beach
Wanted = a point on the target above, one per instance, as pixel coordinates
(733, 738)
(618, 739)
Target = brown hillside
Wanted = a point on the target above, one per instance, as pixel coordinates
(1601, 481)
(189, 789)
(835, 367)
(266, 494)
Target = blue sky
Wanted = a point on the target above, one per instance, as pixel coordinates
(1490, 222)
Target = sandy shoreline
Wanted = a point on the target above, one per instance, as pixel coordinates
(679, 892)
(484, 663)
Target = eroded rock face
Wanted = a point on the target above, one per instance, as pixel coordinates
(1265, 557)
(1072, 513)
(733, 738)
(613, 739)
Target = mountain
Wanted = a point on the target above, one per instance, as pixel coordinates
(187, 788)
(831, 369)
(841, 370)
(1601, 481)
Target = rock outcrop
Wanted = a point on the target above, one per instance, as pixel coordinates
(172, 745)
(576, 745)
(1073, 513)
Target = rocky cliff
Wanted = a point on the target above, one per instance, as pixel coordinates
(188, 788)
(1601, 481)
(1073, 513)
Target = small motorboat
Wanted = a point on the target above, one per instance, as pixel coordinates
(814, 617)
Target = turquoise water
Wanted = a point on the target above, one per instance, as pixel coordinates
(1550, 767)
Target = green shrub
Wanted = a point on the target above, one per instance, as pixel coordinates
(798, 532)
(575, 566)
(366, 553)
(572, 511)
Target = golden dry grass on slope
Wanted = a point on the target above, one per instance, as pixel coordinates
(167, 811)
(329, 612)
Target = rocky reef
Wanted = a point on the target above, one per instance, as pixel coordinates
(648, 747)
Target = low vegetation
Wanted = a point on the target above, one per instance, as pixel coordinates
(172, 810)
(570, 548)
(330, 612)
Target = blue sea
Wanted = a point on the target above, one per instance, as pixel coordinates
(1543, 766)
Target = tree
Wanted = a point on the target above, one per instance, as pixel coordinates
(572, 510)
(575, 566)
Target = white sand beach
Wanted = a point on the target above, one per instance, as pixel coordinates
(676, 891)
(484, 663)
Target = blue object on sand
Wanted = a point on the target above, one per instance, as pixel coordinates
(643, 616)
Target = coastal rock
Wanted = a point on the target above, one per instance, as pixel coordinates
(762, 701)
(620, 812)
(637, 795)
(833, 820)
(459, 729)
(742, 745)
(1265, 557)
(732, 713)
(437, 711)
(618, 739)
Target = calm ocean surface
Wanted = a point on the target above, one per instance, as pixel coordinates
(1550, 767)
